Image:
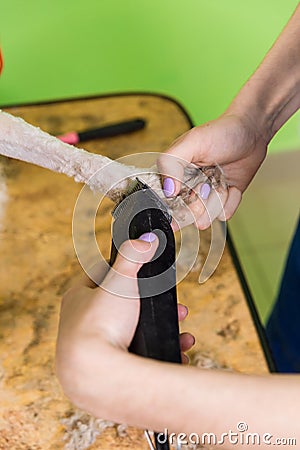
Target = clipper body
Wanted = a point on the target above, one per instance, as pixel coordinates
(157, 333)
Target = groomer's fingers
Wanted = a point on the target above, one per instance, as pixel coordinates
(134, 253)
(232, 202)
(182, 312)
(187, 341)
(171, 168)
(207, 210)
(183, 151)
(96, 274)
(121, 280)
(214, 208)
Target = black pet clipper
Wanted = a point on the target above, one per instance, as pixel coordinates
(157, 333)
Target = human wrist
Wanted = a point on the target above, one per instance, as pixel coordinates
(272, 94)
(268, 99)
(254, 119)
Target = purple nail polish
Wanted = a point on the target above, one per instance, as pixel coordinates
(148, 237)
(169, 187)
(205, 191)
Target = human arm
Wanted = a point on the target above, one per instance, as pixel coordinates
(239, 138)
(100, 376)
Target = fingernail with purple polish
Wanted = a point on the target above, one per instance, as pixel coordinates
(169, 187)
(148, 237)
(205, 191)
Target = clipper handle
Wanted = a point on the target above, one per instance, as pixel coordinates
(157, 332)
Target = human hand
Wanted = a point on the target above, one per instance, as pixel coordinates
(95, 319)
(231, 142)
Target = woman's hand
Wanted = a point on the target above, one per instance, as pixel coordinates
(232, 142)
(95, 319)
(101, 377)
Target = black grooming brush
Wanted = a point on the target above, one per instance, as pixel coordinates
(157, 333)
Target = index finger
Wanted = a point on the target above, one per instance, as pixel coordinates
(171, 169)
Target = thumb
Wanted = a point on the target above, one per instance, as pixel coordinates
(132, 254)
(121, 280)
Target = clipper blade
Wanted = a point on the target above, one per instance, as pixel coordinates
(152, 200)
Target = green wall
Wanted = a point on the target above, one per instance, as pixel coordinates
(198, 51)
